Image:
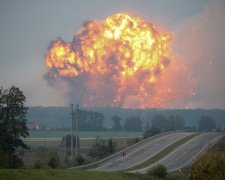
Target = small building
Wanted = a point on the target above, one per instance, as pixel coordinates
(32, 126)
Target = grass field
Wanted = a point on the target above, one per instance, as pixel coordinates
(37, 145)
(60, 174)
(84, 143)
(82, 134)
(49, 174)
(53, 139)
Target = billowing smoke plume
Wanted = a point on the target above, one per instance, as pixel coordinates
(198, 42)
(123, 61)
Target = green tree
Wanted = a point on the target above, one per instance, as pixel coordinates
(133, 124)
(116, 123)
(151, 132)
(164, 123)
(176, 122)
(206, 123)
(100, 148)
(161, 122)
(12, 125)
(95, 122)
(111, 146)
(90, 121)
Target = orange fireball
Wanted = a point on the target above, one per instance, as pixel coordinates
(114, 61)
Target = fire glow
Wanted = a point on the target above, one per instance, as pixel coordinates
(117, 62)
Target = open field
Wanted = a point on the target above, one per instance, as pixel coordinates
(53, 139)
(85, 143)
(82, 134)
(60, 174)
(49, 174)
(38, 144)
(63, 174)
(30, 156)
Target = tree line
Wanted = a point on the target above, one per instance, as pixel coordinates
(161, 123)
(59, 117)
(90, 121)
(133, 123)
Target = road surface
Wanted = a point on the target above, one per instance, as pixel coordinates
(141, 152)
(187, 153)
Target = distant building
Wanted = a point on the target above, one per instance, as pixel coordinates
(32, 126)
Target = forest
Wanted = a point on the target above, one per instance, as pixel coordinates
(101, 118)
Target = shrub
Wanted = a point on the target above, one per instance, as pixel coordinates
(54, 161)
(132, 141)
(4, 160)
(48, 158)
(80, 160)
(158, 170)
(101, 149)
(136, 140)
(210, 166)
(39, 165)
(10, 161)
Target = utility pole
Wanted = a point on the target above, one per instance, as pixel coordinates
(72, 129)
(77, 110)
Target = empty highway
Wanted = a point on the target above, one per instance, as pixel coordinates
(141, 152)
(186, 153)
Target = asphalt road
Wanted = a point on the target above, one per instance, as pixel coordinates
(140, 152)
(187, 153)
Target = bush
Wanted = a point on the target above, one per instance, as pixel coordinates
(10, 161)
(80, 160)
(158, 170)
(39, 165)
(136, 140)
(54, 161)
(101, 149)
(4, 160)
(178, 175)
(16, 162)
(210, 166)
(132, 141)
(47, 158)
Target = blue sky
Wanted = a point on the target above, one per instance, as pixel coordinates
(27, 27)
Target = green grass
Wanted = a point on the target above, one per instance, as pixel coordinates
(49, 174)
(60, 174)
(176, 175)
(82, 134)
(163, 152)
(84, 143)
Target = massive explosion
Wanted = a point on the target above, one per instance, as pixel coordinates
(117, 62)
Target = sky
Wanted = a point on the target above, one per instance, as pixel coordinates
(28, 26)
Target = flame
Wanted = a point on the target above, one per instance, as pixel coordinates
(117, 62)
